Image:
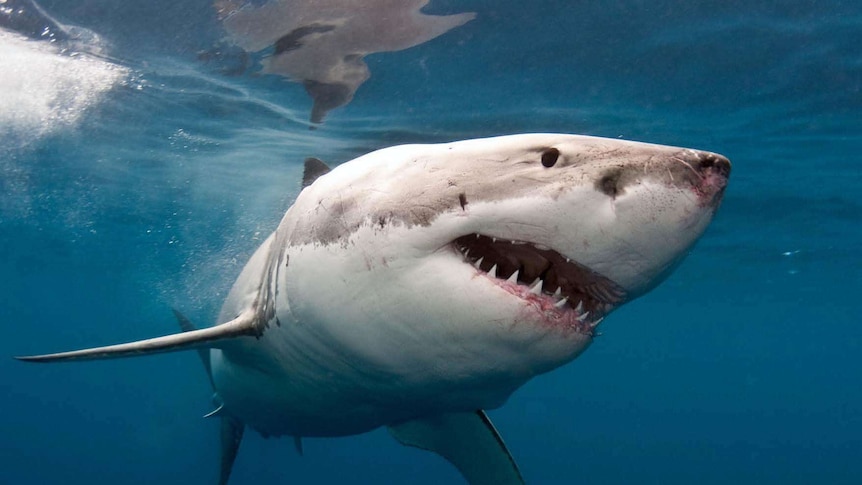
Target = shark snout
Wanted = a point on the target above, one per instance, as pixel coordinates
(712, 171)
(704, 173)
(709, 164)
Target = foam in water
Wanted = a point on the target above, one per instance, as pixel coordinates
(44, 90)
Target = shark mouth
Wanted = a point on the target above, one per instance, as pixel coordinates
(562, 289)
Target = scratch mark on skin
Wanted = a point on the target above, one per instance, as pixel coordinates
(688, 167)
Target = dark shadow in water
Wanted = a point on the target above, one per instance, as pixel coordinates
(322, 43)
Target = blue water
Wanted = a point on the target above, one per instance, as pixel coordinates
(144, 178)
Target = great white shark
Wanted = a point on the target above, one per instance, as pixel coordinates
(419, 285)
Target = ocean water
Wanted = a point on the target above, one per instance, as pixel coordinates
(144, 156)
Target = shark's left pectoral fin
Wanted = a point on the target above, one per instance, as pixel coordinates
(469, 441)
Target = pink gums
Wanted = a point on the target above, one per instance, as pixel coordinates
(542, 306)
(710, 188)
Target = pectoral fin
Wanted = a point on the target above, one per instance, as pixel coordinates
(243, 325)
(469, 441)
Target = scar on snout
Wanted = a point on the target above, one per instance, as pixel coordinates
(462, 198)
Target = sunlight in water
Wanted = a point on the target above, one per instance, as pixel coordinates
(44, 89)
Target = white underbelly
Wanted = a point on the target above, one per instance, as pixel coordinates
(305, 390)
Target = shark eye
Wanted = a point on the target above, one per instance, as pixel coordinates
(550, 156)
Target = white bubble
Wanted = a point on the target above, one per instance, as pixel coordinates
(43, 90)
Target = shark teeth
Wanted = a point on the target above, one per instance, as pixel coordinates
(536, 289)
(562, 286)
(514, 278)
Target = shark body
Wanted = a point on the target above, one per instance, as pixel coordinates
(419, 285)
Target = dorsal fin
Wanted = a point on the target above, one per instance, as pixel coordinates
(243, 325)
(314, 168)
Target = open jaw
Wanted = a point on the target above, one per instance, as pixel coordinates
(563, 291)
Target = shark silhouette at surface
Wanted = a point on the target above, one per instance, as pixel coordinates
(322, 43)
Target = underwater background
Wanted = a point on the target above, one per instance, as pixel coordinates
(145, 152)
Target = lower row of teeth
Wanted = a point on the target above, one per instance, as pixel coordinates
(536, 288)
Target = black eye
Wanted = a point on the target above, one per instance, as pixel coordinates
(550, 156)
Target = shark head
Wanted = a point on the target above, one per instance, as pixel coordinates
(493, 257)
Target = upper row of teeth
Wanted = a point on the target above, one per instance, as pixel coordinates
(512, 241)
(537, 287)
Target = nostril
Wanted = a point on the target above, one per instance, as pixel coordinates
(610, 183)
(717, 163)
(722, 165)
(712, 162)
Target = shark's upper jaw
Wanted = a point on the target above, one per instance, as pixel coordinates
(564, 292)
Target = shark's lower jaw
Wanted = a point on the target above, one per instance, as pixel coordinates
(563, 291)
